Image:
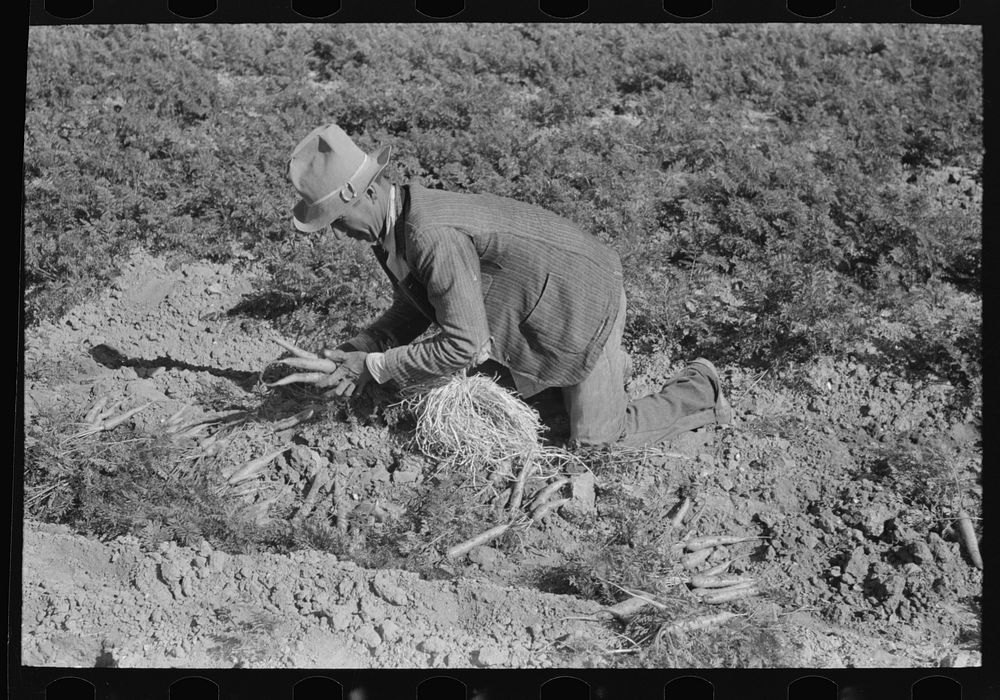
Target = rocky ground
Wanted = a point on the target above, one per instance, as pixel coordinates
(848, 477)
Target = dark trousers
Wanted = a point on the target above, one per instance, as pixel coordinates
(600, 413)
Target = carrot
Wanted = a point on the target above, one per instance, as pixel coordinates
(181, 430)
(678, 547)
(706, 581)
(628, 608)
(718, 569)
(175, 418)
(547, 492)
(115, 422)
(215, 447)
(318, 365)
(208, 440)
(681, 512)
(233, 418)
(108, 412)
(103, 424)
(714, 541)
(695, 623)
(517, 495)
(320, 481)
(95, 410)
(340, 500)
(304, 377)
(690, 523)
(297, 351)
(503, 496)
(695, 559)
(968, 536)
(463, 548)
(254, 466)
(727, 595)
(539, 513)
(193, 430)
(292, 421)
(702, 592)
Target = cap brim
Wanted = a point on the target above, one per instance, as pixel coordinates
(310, 218)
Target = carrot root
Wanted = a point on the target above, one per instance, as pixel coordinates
(292, 421)
(306, 363)
(628, 608)
(682, 510)
(540, 513)
(252, 467)
(192, 431)
(214, 448)
(175, 417)
(340, 500)
(699, 543)
(690, 523)
(464, 547)
(115, 422)
(718, 569)
(968, 536)
(320, 481)
(707, 581)
(300, 377)
(295, 350)
(517, 495)
(208, 440)
(695, 623)
(727, 595)
(108, 412)
(547, 492)
(696, 559)
(95, 410)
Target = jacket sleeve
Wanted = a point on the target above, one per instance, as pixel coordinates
(398, 325)
(446, 262)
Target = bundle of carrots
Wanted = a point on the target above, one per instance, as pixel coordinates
(100, 418)
(477, 426)
(473, 424)
(711, 584)
(312, 367)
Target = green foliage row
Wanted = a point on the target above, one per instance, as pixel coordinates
(766, 186)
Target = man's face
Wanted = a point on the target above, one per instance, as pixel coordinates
(359, 221)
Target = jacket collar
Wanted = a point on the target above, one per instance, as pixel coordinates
(398, 202)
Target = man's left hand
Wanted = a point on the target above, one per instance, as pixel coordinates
(351, 374)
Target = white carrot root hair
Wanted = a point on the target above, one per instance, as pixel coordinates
(472, 423)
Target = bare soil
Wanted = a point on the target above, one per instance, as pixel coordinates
(857, 561)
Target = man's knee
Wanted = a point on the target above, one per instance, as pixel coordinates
(596, 433)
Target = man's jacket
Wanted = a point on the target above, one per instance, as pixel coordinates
(488, 268)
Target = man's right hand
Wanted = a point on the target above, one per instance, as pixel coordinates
(351, 374)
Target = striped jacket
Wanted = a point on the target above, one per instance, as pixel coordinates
(495, 273)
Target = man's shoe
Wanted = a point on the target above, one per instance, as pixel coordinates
(723, 411)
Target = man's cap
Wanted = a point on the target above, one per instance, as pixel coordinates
(330, 172)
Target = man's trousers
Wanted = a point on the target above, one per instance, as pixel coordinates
(600, 412)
